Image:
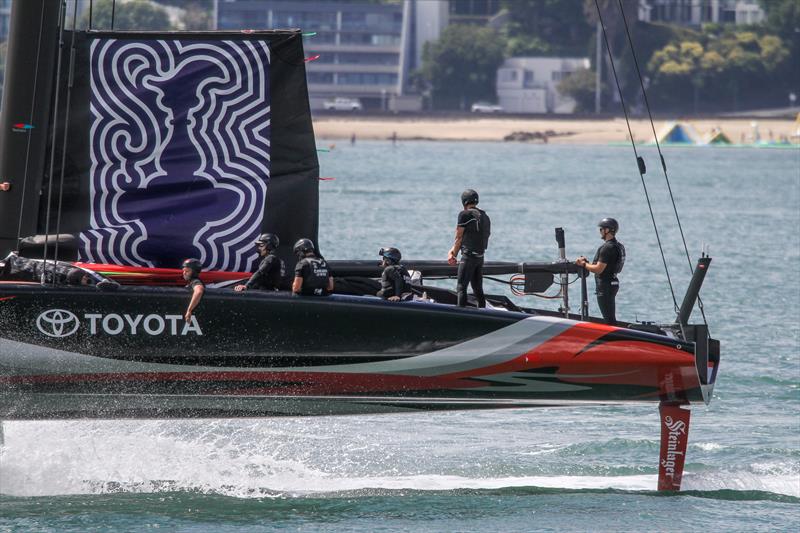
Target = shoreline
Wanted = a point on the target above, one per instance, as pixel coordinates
(548, 130)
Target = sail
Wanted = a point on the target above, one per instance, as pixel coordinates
(183, 145)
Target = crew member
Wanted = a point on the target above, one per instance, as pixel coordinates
(271, 271)
(5, 186)
(472, 239)
(395, 279)
(312, 277)
(191, 273)
(607, 263)
(78, 276)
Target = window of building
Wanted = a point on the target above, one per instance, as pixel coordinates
(529, 78)
(367, 58)
(319, 77)
(374, 39)
(367, 78)
(508, 75)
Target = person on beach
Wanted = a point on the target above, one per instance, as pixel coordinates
(272, 269)
(312, 277)
(191, 273)
(607, 263)
(395, 279)
(472, 239)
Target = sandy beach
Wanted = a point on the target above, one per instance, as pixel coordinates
(557, 130)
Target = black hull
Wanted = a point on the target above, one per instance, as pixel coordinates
(81, 353)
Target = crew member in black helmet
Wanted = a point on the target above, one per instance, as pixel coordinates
(191, 273)
(607, 263)
(395, 280)
(271, 271)
(472, 239)
(312, 277)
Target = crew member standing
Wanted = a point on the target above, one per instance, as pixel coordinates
(272, 269)
(395, 279)
(312, 277)
(472, 239)
(191, 273)
(607, 263)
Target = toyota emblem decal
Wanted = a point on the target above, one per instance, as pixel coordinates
(57, 323)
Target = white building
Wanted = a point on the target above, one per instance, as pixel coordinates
(530, 84)
(698, 12)
(366, 49)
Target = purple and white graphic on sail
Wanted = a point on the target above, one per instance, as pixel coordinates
(180, 152)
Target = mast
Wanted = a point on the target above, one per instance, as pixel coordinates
(30, 64)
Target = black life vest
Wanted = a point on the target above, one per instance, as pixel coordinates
(315, 276)
(390, 274)
(621, 260)
(484, 226)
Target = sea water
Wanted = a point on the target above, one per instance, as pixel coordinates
(566, 469)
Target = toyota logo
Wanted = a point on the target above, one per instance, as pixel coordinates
(57, 323)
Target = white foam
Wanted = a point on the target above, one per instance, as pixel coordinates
(257, 459)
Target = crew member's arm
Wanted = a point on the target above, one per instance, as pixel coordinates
(330, 284)
(255, 278)
(595, 268)
(451, 256)
(297, 285)
(197, 295)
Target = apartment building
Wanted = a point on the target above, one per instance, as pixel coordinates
(366, 50)
(698, 12)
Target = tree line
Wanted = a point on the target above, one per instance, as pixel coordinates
(715, 68)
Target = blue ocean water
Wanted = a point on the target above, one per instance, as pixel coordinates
(521, 470)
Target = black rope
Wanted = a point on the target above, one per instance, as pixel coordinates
(66, 131)
(113, 12)
(639, 160)
(660, 155)
(30, 121)
(61, 19)
(91, 4)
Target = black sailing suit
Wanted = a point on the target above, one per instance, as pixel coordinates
(612, 253)
(473, 246)
(395, 281)
(269, 275)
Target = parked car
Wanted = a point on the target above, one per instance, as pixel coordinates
(486, 107)
(343, 104)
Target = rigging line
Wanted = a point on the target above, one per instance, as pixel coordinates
(30, 121)
(61, 19)
(639, 161)
(91, 4)
(70, 75)
(658, 147)
(113, 12)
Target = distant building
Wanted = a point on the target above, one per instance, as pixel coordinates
(5, 16)
(698, 12)
(530, 84)
(367, 50)
(478, 12)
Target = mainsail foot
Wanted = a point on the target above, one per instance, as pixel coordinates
(674, 438)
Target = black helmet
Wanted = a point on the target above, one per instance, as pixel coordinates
(193, 265)
(470, 196)
(270, 240)
(303, 246)
(609, 223)
(75, 275)
(392, 254)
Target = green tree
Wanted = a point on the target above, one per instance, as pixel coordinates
(724, 70)
(546, 27)
(130, 15)
(580, 86)
(783, 21)
(462, 65)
